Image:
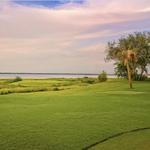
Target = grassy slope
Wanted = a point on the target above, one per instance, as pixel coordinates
(132, 141)
(72, 119)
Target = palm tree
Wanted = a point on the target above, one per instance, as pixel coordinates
(129, 58)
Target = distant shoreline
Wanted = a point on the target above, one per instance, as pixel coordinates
(49, 75)
(7, 75)
(52, 73)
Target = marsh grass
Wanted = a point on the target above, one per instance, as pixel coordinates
(17, 85)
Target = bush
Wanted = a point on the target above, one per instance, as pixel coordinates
(102, 77)
(87, 80)
(138, 77)
(86, 77)
(17, 79)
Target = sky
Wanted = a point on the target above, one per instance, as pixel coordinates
(65, 36)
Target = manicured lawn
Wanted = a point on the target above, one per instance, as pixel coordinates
(76, 117)
(132, 141)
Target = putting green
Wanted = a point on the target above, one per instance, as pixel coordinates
(139, 140)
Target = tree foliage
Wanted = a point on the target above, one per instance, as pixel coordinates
(139, 45)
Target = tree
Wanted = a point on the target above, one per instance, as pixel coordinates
(129, 59)
(141, 44)
(131, 54)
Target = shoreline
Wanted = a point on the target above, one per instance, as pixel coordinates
(51, 75)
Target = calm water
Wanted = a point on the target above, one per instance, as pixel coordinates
(48, 75)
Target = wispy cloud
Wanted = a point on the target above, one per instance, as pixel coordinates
(68, 38)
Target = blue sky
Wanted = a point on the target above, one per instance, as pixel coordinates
(47, 3)
(65, 36)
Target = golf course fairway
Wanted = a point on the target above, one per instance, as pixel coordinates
(75, 116)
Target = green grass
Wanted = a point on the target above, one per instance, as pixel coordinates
(8, 86)
(132, 141)
(73, 118)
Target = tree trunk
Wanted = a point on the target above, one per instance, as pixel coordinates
(129, 75)
(142, 71)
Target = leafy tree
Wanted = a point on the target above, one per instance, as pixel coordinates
(131, 54)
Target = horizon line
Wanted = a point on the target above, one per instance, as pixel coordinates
(63, 73)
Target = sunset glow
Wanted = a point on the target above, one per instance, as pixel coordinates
(65, 36)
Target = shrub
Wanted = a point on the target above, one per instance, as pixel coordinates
(86, 77)
(138, 77)
(102, 77)
(88, 80)
(17, 79)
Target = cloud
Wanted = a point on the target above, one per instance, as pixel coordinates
(67, 38)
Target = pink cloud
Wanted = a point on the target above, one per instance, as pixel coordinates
(64, 37)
